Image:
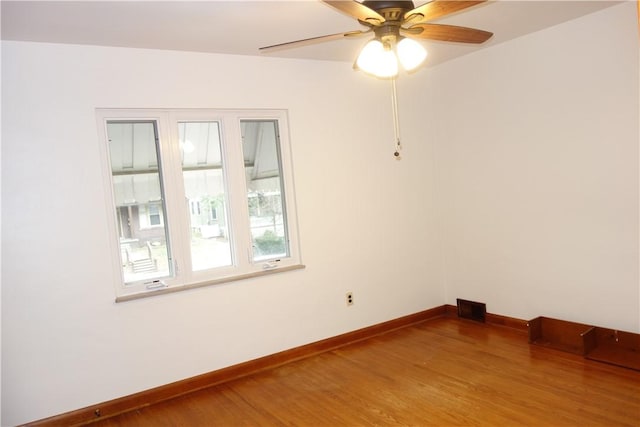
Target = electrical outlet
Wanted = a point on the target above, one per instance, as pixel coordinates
(349, 298)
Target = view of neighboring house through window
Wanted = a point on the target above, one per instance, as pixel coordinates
(264, 188)
(199, 195)
(204, 186)
(137, 189)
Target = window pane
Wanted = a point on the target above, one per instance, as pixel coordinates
(204, 184)
(137, 187)
(263, 170)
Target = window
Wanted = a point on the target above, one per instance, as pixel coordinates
(199, 196)
(150, 215)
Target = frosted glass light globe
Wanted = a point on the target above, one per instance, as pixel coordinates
(375, 59)
(411, 54)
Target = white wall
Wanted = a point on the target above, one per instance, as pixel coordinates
(66, 344)
(537, 158)
(533, 144)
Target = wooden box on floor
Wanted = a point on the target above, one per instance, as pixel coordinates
(614, 347)
(558, 334)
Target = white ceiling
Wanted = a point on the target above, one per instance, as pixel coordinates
(241, 27)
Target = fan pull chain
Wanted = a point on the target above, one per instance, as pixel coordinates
(396, 123)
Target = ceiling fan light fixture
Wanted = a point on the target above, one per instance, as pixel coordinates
(378, 60)
(410, 53)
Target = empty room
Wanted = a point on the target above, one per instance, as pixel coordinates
(228, 213)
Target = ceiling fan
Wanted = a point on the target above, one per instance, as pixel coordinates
(395, 24)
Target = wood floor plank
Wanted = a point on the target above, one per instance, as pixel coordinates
(442, 372)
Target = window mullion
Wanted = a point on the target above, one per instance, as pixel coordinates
(176, 200)
(288, 191)
(237, 192)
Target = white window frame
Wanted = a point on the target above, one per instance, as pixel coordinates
(177, 214)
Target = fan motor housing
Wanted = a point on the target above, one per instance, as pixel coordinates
(393, 10)
(393, 13)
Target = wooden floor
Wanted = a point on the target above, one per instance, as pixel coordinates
(442, 372)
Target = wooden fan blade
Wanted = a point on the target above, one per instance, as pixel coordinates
(357, 10)
(437, 9)
(448, 33)
(312, 40)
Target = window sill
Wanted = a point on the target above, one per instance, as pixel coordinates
(172, 289)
